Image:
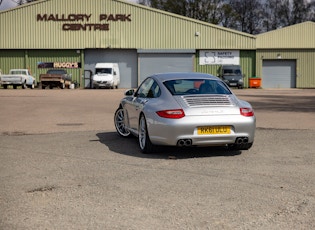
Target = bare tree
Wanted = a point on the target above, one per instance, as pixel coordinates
(204, 10)
(248, 15)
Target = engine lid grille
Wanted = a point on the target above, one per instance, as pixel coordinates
(208, 100)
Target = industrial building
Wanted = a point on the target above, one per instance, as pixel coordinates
(77, 34)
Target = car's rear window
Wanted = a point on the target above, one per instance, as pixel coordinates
(196, 86)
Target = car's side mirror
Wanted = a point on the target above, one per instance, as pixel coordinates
(129, 92)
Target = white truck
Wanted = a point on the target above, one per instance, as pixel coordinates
(106, 75)
(18, 77)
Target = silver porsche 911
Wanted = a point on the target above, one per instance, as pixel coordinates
(185, 109)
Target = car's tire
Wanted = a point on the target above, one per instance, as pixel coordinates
(14, 86)
(143, 136)
(119, 123)
(5, 86)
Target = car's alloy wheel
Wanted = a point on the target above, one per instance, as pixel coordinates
(119, 123)
(144, 140)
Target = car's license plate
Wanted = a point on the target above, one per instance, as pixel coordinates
(205, 130)
(232, 84)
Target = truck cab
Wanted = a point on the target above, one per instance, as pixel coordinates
(106, 75)
(232, 75)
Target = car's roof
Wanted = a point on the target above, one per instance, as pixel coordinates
(183, 75)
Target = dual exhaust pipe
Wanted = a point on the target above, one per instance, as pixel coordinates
(184, 142)
(240, 141)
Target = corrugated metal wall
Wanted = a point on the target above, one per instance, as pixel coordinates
(148, 29)
(11, 59)
(299, 36)
(247, 62)
(305, 67)
(36, 56)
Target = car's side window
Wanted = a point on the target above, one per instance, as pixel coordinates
(149, 89)
(143, 90)
(154, 91)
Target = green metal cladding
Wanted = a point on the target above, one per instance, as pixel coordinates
(247, 62)
(80, 24)
(304, 58)
(290, 43)
(30, 59)
(59, 30)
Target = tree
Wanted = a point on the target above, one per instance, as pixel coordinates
(300, 11)
(281, 13)
(228, 16)
(204, 10)
(248, 15)
(271, 19)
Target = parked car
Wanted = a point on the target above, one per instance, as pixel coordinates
(185, 109)
(55, 78)
(232, 75)
(18, 77)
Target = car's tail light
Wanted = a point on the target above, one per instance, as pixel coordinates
(247, 112)
(172, 114)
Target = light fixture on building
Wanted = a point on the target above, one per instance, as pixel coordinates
(197, 34)
(78, 51)
(279, 56)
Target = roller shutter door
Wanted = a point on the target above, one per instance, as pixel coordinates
(279, 74)
(151, 63)
(126, 59)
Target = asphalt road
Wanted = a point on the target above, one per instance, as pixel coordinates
(62, 166)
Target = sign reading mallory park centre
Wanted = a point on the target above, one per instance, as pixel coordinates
(70, 20)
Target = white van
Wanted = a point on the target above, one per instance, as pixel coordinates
(106, 75)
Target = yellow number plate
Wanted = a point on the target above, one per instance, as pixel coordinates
(205, 130)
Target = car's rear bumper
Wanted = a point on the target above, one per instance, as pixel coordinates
(172, 131)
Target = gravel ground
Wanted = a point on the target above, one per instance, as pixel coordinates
(62, 166)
